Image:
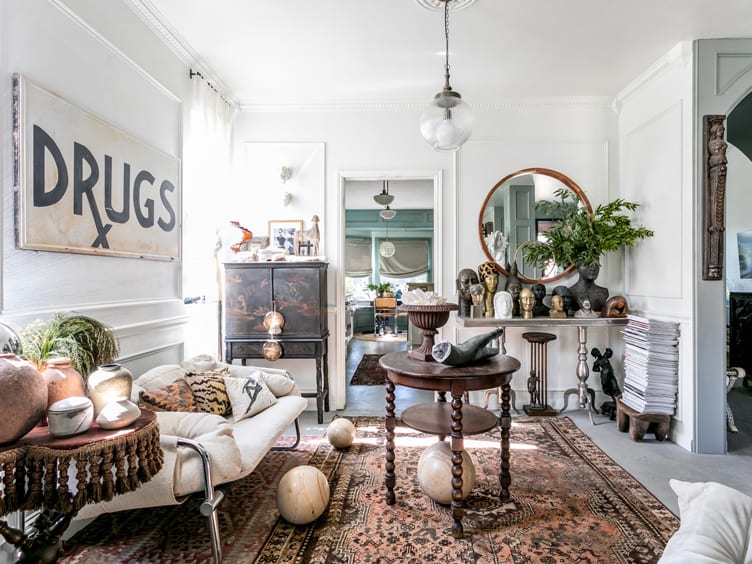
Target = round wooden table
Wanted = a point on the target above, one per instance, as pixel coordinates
(444, 419)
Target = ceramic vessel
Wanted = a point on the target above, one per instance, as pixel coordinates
(435, 472)
(302, 495)
(23, 397)
(107, 383)
(118, 413)
(70, 416)
(427, 318)
(63, 381)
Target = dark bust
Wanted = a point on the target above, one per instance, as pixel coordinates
(539, 309)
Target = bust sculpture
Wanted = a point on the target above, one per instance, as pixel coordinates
(490, 280)
(557, 308)
(539, 309)
(585, 311)
(586, 286)
(527, 303)
(503, 305)
(566, 297)
(514, 286)
(465, 278)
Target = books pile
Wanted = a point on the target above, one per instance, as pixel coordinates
(651, 365)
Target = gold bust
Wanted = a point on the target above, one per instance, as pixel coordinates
(527, 303)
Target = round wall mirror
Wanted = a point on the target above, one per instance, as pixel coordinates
(508, 219)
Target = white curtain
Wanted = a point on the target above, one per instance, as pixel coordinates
(358, 261)
(410, 259)
(207, 160)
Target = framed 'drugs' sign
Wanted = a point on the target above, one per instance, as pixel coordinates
(84, 186)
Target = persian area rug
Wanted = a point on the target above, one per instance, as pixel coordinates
(570, 503)
(369, 372)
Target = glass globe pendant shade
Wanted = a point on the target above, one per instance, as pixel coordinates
(386, 249)
(387, 213)
(447, 122)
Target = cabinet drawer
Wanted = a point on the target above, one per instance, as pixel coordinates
(294, 349)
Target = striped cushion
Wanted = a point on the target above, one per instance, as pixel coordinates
(209, 390)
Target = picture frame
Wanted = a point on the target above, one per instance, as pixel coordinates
(282, 233)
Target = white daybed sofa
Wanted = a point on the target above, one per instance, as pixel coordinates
(203, 450)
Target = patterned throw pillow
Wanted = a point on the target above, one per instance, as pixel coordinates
(173, 397)
(248, 396)
(209, 390)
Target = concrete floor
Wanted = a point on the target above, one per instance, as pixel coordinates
(649, 461)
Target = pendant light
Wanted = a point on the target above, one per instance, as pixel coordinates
(385, 198)
(447, 123)
(387, 213)
(386, 247)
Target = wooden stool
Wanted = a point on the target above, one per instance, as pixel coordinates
(538, 381)
(627, 419)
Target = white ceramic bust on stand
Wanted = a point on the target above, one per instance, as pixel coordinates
(503, 303)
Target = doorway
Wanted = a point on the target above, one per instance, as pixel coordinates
(414, 228)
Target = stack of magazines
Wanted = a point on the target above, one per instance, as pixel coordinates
(651, 365)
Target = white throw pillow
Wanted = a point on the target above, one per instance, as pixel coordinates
(199, 363)
(716, 525)
(278, 380)
(248, 396)
(160, 376)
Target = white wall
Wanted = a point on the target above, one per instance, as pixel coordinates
(655, 169)
(572, 136)
(108, 62)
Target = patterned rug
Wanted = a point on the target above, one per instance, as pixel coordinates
(369, 372)
(570, 503)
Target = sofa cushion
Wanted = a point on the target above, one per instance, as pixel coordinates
(248, 396)
(716, 525)
(173, 397)
(277, 380)
(160, 376)
(210, 391)
(199, 363)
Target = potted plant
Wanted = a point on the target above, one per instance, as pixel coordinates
(87, 342)
(381, 289)
(580, 238)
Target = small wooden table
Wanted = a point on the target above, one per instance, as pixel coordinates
(37, 470)
(444, 419)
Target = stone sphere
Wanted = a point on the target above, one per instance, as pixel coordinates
(341, 433)
(23, 397)
(302, 495)
(435, 472)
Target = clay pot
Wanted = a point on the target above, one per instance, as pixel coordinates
(23, 397)
(63, 381)
(118, 413)
(109, 382)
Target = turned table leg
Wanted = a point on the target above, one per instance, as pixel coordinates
(390, 423)
(505, 424)
(458, 446)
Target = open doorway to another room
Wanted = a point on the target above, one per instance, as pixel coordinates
(389, 249)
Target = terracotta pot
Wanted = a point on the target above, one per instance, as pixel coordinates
(107, 383)
(63, 381)
(23, 397)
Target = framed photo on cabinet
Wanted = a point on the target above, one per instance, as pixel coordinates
(282, 233)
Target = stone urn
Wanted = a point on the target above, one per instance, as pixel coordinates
(23, 397)
(108, 383)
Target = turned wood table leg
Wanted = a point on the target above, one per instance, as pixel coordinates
(505, 424)
(458, 446)
(390, 423)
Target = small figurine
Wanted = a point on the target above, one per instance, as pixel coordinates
(616, 306)
(477, 291)
(566, 297)
(309, 238)
(585, 311)
(532, 389)
(539, 309)
(245, 242)
(557, 308)
(609, 383)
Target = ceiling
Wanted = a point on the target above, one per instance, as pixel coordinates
(354, 51)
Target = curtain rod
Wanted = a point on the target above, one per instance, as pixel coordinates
(193, 73)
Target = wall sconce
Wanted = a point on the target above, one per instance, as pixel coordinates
(285, 174)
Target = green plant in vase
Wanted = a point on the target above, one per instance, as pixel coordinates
(87, 342)
(381, 289)
(581, 239)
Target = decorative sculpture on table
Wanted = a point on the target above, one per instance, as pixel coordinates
(527, 302)
(532, 389)
(465, 278)
(245, 243)
(474, 349)
(557, 308)
(503, 304)
(539, 309)
(514, 287)
(477, 291)
(586, 310)
(609, 383)
(308, 239)
(616, 306)
(490, 279)
(586, 286)
(566, 297)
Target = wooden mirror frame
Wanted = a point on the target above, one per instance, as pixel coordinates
(568, 182)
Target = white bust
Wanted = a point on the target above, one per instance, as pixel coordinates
(503, 305)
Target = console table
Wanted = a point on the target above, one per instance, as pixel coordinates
(585, 394)
(444, 419)
(297, 290)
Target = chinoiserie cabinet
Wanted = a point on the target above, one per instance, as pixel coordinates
(298, 292)
(740, 331)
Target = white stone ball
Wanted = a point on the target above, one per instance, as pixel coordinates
(302, 495)
(341, 433)
(435, 472)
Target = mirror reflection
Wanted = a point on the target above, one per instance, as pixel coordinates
(508, 219)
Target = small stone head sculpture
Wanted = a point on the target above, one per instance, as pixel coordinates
(557, 307)
(566, 296)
